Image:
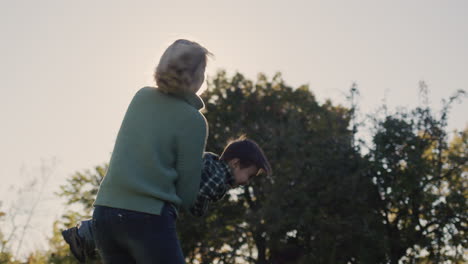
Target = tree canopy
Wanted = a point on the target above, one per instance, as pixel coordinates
(326, 201)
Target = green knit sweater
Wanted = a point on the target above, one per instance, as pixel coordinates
(157, 156)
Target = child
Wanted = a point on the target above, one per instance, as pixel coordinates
(240, 161)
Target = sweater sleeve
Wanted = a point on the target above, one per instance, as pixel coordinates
(191, 143)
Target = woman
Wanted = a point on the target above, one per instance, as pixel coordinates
(156, 164)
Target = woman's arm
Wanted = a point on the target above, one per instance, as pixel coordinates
(191, 142)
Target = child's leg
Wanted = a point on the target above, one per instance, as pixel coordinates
(81, 241)
(75, 242)
(85, 230)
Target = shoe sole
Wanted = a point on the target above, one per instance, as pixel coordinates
(67, 237)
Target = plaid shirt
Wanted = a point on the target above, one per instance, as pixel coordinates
(216, 180)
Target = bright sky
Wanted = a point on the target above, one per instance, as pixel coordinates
(69, 68)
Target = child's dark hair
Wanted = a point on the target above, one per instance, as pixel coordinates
(248, 152)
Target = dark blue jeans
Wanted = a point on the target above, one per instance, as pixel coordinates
(124, 236)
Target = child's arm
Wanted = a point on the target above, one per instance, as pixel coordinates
(200, 207)
(204, 195)
(212, 187)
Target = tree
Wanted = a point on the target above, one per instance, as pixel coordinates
(5, 255)
(80, 192)
(299, 213)
(306, 211)
(421, 182)
(21, 212)
(325, 202)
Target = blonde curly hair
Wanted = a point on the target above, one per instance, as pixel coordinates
(181, 69)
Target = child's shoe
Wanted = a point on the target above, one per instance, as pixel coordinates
(77, 245)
